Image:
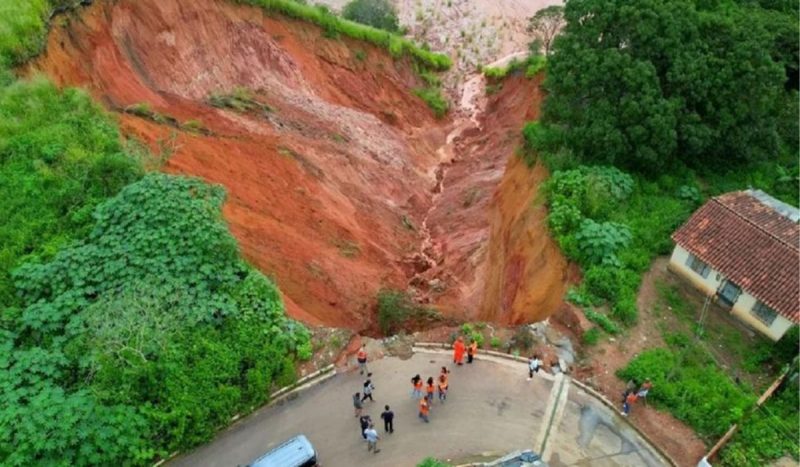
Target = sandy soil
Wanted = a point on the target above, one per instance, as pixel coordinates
(349, 184)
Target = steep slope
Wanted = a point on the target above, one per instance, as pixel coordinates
(335, 177)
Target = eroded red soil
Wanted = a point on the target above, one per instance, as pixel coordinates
(348, 184)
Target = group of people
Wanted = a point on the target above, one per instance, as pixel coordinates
(424, 393)
(631, 395)
(459, 349)
(368, 431)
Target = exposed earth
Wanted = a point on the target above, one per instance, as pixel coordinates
(491, 409)
(340, 181)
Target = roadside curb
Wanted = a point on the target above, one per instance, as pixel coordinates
(306, 382)
(436, 347)
(595, 394)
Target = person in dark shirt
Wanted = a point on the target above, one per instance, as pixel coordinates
(365, 421)
(388, 419)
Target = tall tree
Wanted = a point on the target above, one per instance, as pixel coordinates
(545, 24)
(644, 83)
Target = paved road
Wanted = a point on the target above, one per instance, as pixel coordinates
(491, 408)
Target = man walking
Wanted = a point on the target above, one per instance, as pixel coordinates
(364, 421)
(357, 404)
(361, 357)
(368, 388)
(472, 350)
(388, 420)
(423, 409)
(630, 399)
(533, 366)
(372, 439)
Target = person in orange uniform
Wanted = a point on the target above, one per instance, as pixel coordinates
(443, 385)
(472, 350)
(458, 351)
(361, 357)
(429, 389)
(423, 409)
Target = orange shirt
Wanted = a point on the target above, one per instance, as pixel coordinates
(418, 385)
(423, 407)
(443, 382)
(631, 398)
(429, 389)
(473, 348)
(361, 355)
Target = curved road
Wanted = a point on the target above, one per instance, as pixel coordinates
(491, 408)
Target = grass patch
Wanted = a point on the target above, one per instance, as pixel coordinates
(334, 25)
(531, 66)
(591, 337)
(433, 97)
(240, 100)
(396, 309)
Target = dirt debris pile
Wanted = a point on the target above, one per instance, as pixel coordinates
(340, 181)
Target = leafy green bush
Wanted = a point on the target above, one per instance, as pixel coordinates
(610, 283)
(532, 64)
(591, 337)
(396, 308)
(22, 30)
(144, 337)
(379, 14)
(624, 310)
(433, 97)
(691, 387)
(431, 462)
(601, 320)
(323, 18)
(599, 242)
(495, 342)
(60, 155)
(767, 434)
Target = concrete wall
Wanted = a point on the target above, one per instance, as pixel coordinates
(743, 307)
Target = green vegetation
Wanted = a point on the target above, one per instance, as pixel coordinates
(396, 308)
(531, 66)
(544, 25)
(433, 97)
(379, 14)
(431, 462)
(495, 342)
(240, 99)
(591, 337)
(22, 29)
(144, 337)
(692, 387)
(472, 333)
(334, 25)
(662, 84)
(60, 156)
(613, 224)
(768, 433)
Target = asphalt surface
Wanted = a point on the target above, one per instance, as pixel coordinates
(491, 408)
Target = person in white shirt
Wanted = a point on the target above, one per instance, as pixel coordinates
(372, 439)
(533, 366)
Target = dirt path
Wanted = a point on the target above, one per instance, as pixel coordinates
(672, 435)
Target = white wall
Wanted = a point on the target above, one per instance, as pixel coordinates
(744, 304)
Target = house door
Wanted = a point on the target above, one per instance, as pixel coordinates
(728, 293)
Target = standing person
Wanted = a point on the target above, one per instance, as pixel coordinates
(458, 351)
(368, 388)
(423, 409)
(429, 390)
(417, 382)
(364, 421)
(443, 385)
(643, 390)
(388, 420)
(372, 439)
(361, 357)
(534, 363)
(630, 399)
(357, 404)
(472, 350)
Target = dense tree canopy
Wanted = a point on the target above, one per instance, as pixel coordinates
(645, 83)
(377, 13)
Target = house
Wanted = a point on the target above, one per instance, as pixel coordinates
(742, 249)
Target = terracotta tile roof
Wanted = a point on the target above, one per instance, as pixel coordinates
(751, 244)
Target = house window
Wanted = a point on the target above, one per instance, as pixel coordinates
(729, 293)
(764, 313)
(696, 265)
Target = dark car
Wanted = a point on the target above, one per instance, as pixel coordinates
(296, 452)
